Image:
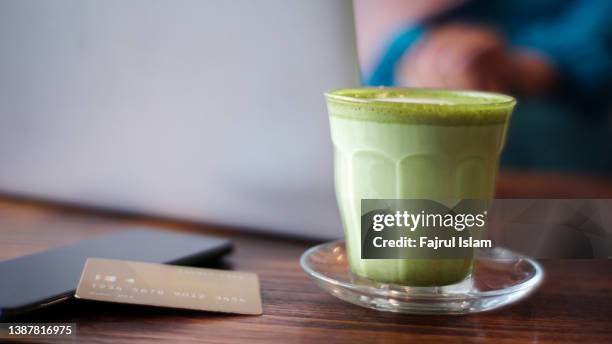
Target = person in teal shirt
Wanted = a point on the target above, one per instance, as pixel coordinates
(554, 55)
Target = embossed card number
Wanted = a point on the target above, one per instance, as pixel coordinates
(170, 286)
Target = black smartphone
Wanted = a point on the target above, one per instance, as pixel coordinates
(42, 279)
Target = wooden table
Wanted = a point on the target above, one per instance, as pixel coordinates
(573, 305)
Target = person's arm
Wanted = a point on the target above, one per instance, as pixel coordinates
(377, 21)
(471, 56)
(458, 56)
(572, 50)
(533, 73)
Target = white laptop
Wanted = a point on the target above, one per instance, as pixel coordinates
(210, 111)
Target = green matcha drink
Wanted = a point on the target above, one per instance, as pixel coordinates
(393, 143)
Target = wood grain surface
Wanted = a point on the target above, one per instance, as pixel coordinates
(574, 305)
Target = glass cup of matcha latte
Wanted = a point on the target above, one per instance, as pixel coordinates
(403, 143)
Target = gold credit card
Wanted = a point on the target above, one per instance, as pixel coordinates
(170, 286)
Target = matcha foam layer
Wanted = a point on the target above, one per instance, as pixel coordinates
(420, 106)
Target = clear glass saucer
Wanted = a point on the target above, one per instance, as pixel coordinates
(500, 277)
